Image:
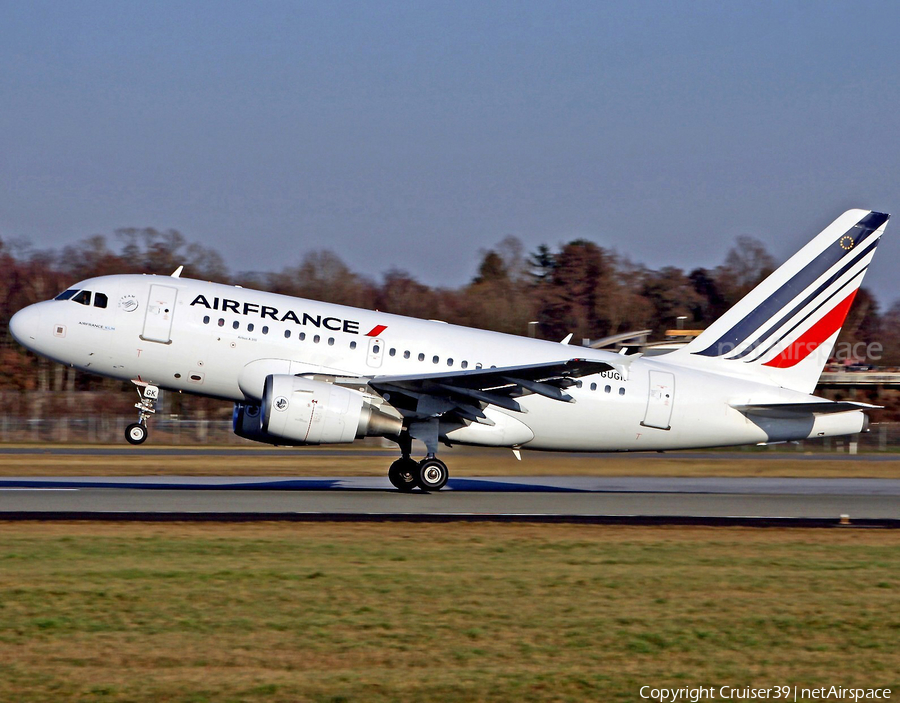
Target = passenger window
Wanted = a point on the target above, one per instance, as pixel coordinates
(393, 352)
(478, 365)
(249, 326)
(607, 389)
(66, 294)
(406, 355)
(621, 391)
(221, 322)
(465, 364)
(421, 357)
(302, 336)
(206, 319)
(100, 300)
(287, 334)
(353, 345)
(331, 341)
(265, 329)
(449, 362)
(593, 386)
(376, 348)
(83, 297)
(316, 339)
(578, 384)
(235, 324)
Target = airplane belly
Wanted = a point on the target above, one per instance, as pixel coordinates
(641, 413)
(506, 431)
(589, 424)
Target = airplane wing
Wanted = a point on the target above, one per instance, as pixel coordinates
(466, 393)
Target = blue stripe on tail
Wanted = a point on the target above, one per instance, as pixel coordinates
(799, 282)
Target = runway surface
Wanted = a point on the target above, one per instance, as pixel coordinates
(558, 499)
(124, 450)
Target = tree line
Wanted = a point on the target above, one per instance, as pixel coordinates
(577, 287)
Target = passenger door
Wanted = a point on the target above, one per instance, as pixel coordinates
(660, 400)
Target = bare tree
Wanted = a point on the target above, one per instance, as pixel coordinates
(746, 265)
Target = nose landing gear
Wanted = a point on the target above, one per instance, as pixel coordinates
(136, 433)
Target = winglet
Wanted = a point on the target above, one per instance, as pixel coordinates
(567, 338)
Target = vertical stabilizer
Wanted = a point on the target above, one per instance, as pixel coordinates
(785, 328)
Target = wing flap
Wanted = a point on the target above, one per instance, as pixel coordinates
(545, 389)
(490, 398)
(463, 390)
(555, 373)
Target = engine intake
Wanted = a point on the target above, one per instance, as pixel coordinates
(296, 410)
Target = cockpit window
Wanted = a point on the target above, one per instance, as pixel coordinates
(66, 294)
(83, 297)
(100, 300)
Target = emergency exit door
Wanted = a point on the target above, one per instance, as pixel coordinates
(660, 400)
(158, 318)
(376, 353)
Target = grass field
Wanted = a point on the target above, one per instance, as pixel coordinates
(408, 612)
(462, 462)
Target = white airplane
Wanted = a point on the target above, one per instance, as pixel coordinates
(303, 372)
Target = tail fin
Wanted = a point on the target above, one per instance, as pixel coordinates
(785, 328)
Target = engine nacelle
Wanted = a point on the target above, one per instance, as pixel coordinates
(297, 410)
(245, 422)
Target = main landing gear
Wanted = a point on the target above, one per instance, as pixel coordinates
(136, 433)
(406, 473)
(430, 474)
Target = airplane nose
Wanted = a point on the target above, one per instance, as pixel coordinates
(22, 325)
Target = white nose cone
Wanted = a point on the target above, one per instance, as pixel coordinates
(22, 325)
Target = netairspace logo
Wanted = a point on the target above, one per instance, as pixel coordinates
(774, 693)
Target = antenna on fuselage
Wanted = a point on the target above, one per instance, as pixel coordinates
(177, 272)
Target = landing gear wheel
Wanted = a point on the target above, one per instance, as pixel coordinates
(146, 407)
(432, 474)
(402, 474)
(136, 433)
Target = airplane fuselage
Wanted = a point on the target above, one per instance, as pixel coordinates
(222, 341)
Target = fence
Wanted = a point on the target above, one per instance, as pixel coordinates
(104, 429)
(111, 430)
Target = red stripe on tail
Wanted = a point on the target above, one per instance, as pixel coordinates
(810, 340)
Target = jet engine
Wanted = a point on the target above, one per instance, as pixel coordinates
(296, 410)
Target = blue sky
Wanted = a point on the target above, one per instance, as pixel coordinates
(414, 135)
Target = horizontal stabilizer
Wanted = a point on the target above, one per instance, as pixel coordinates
(817, 408)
